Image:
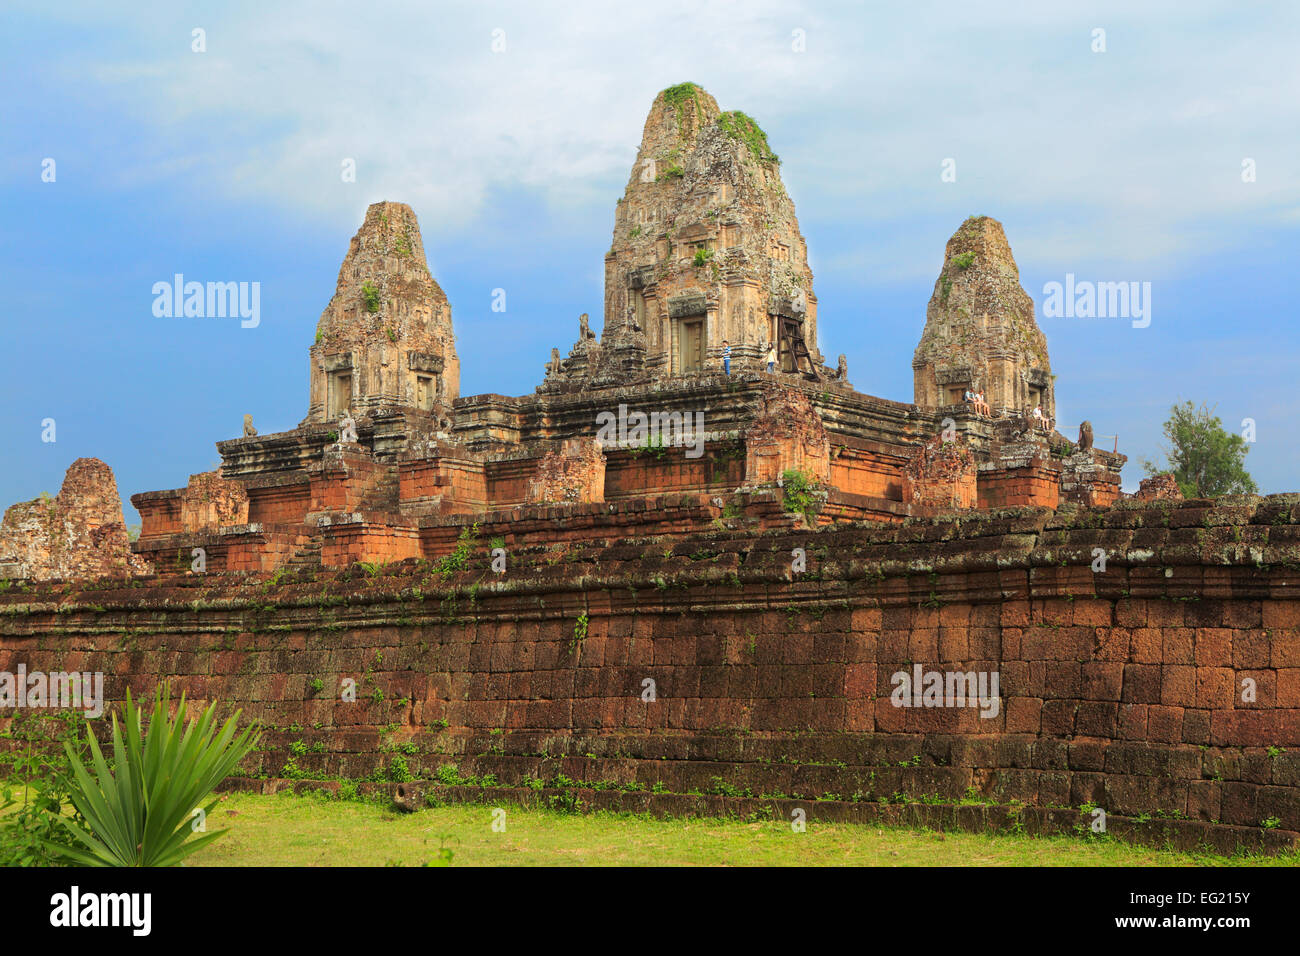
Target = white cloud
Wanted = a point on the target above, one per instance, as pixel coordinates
(1139, 143)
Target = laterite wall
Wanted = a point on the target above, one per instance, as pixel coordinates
(1120, 687)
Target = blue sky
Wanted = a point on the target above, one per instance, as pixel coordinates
(1123, 165)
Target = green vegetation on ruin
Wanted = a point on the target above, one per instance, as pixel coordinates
(673, 171)
(740, 126)
(312, 830)
(797, 497)
(964, 261)
(371, 296)
(678, 96)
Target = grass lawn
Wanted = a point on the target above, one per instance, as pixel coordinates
(290, 830)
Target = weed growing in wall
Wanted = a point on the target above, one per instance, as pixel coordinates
(797, 497)
(579, 632)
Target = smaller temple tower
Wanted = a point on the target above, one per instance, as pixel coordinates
(385, 339)
(980, 331)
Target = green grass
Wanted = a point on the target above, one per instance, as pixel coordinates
(291, 830)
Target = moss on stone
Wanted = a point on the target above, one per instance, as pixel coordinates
(676, 97)
(740, 126)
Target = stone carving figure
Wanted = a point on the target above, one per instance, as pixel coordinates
(842, 370)
(249, 430)
(584, 330)
(1085, 436)
(347, 429)
(553, 366)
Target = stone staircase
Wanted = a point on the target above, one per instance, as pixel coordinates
(380, 495)
(307, 557)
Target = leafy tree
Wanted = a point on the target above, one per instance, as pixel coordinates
(1206, 460)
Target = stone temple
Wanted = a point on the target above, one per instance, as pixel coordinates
(652, 510)
(706, 254)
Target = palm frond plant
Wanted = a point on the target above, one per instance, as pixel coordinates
(143, 811)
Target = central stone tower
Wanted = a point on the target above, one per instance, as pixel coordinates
(706, 250)
(385, 340)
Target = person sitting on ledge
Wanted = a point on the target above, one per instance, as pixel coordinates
(981, 406)
(1039, 420)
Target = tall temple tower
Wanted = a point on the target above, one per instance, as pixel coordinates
(706, 250)
(706, 245)
(385, 340)
(980, 331)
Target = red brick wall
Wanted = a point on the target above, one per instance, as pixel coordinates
(1120, 688)
(159, 516)
(285, 504)
(341, 481)
(261, 550)
(669, 471)
(507, 481)
(863, 472)
(544, 526)
(345, 544)
(462, 484)
(1018, 487)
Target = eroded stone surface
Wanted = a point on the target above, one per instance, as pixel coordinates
(941, 475)
(210, 501)
(385, 339)
(1118, 688)
(1162, 487)
(79, 533)
(980, 331)
(787, 434)
(573, 475)
(706, 249)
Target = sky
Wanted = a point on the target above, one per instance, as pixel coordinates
(1163, 149)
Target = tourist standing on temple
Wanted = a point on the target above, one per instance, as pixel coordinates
(771, 358)
(726, 357)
